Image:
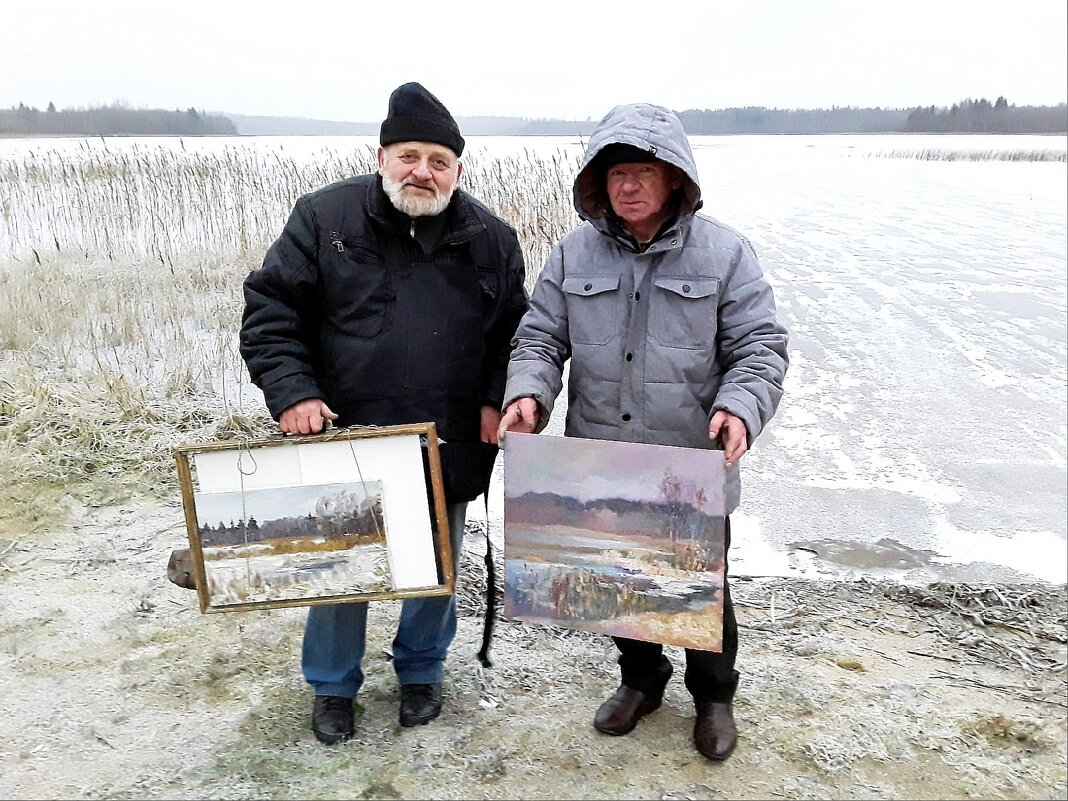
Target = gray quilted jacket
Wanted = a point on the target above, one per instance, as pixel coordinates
(660, 339)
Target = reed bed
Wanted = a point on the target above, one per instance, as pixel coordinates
(120, 302)
(936, 154)
(166, 205)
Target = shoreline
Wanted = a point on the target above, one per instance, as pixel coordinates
(856, 689)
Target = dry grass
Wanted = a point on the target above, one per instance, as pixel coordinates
(938, 154)
(120, 302)
(157, 204)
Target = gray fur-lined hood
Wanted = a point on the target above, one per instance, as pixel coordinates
(655, 130)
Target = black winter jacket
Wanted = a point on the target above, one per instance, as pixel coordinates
(386, 320)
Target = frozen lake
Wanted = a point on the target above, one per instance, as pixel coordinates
(923, 432)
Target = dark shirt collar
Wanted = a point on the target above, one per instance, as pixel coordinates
(618, 229)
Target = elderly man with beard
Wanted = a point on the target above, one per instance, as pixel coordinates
(390, 298)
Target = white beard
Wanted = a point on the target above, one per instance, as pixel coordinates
(416, 205)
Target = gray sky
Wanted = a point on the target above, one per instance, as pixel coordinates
(340, 59)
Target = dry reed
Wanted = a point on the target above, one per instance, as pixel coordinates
(120, 301)
(937, 154)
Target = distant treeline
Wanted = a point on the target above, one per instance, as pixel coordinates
(968, 116)
(758, 120)
(113, 120)
(982, 116)
(796, 121)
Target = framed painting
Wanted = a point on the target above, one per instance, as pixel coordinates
(354, 514)
(617, 538)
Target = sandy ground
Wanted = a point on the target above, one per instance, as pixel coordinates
(115, 686)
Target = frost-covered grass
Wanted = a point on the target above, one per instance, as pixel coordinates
(939, 154)
(167, 205)
(120, 300)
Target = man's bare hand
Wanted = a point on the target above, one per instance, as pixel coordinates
(732, 433)
(309, 416)
(521, 415)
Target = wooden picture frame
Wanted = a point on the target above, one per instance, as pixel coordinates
(353, 514)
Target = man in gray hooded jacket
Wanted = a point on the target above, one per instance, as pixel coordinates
(673, 339)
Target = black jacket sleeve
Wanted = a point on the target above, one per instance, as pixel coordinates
(511, 307)
(275, 335)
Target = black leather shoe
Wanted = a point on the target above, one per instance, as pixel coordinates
(419, 703)
(621, 713)
(714, 732)
(332, 719)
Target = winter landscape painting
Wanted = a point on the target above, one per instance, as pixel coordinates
(281, 544)
(342, 516)
(616, 538)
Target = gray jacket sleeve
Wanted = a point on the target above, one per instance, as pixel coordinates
(751, 346)
(542, 343)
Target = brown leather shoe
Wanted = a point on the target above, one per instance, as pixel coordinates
(714, 732)
(621, 713)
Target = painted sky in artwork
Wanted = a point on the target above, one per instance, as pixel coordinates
(270, 504)
(587, 469)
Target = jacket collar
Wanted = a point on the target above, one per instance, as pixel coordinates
(612, 227)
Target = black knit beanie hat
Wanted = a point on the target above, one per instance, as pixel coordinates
(620, 153)
(415, 115)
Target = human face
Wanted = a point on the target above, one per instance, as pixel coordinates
(639, 193)
(419, 177)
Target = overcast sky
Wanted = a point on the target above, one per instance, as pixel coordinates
(573, 59)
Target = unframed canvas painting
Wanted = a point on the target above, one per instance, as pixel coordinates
(617, 538)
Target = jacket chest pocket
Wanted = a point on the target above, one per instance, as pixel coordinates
(683, 311)
(592, 304)
(357, 291)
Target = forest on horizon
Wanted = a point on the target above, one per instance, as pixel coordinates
(967, 116)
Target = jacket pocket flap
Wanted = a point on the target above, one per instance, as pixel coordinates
(688, 287)
(590, 285)
(487, 281)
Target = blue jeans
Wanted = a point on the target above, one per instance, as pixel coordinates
(335, 635)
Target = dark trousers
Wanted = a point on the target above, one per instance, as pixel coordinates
(710, 675)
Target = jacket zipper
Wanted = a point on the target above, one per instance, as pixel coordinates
(339, 246)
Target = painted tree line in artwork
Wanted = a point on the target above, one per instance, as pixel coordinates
(677, 518)
(362, 525)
